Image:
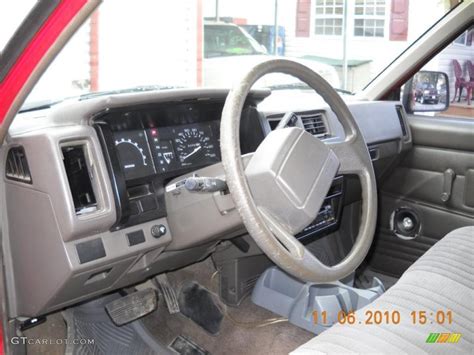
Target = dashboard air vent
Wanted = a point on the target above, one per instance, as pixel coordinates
(77, 172)
(401, 118)
(17, 166)
(314, 123)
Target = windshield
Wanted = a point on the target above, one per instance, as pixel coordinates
(157, 45)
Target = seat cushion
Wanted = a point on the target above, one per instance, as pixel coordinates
(441, 280)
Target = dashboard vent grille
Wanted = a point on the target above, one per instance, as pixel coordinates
(77, 171)
(314, 123)
(17, 166)
(401, 118)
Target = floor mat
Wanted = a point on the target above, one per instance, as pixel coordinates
(197, 303)
(184, 346)
(53, 333)
(163, 328)
(275, 339)
(92, 332)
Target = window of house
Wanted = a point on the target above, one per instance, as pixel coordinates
(329, 17)
(465, 38)
(369, 18)
(461, 39)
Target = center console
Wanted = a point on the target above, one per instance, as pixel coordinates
(304, 303)
(328, 217)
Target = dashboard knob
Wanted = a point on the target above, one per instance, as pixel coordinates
(158, 230)
(192, 184)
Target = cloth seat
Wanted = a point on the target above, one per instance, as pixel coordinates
(441, 280)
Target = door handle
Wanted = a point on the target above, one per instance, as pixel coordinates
(449, 176)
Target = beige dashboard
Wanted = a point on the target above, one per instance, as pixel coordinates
(80, 238)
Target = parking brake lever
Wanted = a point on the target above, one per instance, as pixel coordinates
(449, 176)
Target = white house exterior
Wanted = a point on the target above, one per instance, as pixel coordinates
(377, 30)
(134, 39)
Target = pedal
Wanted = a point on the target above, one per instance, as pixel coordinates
(132, 307)
(168, 293)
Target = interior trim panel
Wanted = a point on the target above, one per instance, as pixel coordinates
(433, 179)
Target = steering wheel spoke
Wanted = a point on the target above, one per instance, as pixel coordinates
(350, 161)
(294, 247)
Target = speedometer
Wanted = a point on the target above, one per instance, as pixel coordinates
(195, 146)
(187, 146)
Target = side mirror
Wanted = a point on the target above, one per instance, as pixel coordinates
(427, 91)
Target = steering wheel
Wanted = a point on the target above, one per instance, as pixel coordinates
(288, 177)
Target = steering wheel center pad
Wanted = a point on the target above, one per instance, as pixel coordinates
(289, 175)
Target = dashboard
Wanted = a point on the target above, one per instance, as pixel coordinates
(146, 146)
(95, 175)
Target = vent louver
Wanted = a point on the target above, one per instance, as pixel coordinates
(314, 123)
(17, 166)
(80, 183)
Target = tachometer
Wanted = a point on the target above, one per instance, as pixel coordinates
(134, 154)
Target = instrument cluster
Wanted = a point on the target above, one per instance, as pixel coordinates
(144, 152)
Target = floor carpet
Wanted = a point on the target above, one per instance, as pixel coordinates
(242, 338)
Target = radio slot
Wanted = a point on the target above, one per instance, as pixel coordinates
(328, 217)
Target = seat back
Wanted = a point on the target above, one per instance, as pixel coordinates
(470, 70)
(457, 69)
(441, 279)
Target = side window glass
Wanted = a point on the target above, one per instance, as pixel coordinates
(445, 86)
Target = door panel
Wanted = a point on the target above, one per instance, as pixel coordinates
(418, 182)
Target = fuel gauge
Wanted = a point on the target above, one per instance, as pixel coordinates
(165, 156)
